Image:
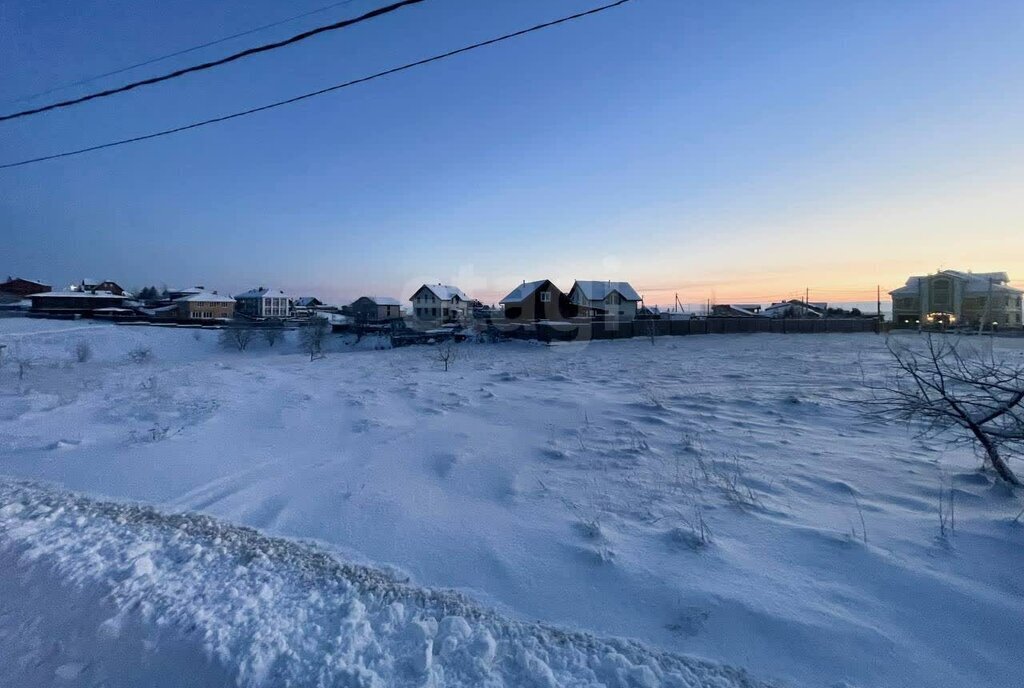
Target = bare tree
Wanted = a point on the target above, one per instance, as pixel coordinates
(312, 335)
(957, 391)
(236, 337)
(271, 335)
(446, 353)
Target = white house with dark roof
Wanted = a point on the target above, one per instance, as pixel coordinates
(952, 297)
(263, 303)
(440, 303)
(613, 300)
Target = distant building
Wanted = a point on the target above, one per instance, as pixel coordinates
(72, 303)
(597, 299)
(795, 308)
(18, 287)
(376, 309)
(440, 304)
(263, 303)
(90, 284)
(729, 310)
(205, 306)
(308, 306)
(539, 300)
(175, 294)
(952, 297)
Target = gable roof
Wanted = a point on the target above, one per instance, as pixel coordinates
(782, 306)
(304, 301)
(12, 280)
(444, 292)
(597, 290)
(261, 292)
(381, 300)
(523, 291)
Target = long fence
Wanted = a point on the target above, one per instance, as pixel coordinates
(585, 330)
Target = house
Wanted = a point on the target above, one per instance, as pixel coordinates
(952, 297)
(440, 304)
(19, 287)
(597, 299)
(795, 308)
(376, 309)
(306, 305)
(75, 303)
(90, 284)
(205, 306)
(539, 300)
(728, 310)
(175, 294)
(263, 303)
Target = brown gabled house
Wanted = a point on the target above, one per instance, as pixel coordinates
(540, 300)
(20, 287)
(89, 284)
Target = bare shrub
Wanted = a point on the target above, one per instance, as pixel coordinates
(957, 392)
(82, 351)
(731, 479)
(140, 354)
(312, 335)
(236, 338)
(946, 511)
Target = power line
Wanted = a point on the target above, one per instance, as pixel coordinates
(322, 91)
(215, 63)
(178, 53)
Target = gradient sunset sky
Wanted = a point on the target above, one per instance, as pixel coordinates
(741, 151)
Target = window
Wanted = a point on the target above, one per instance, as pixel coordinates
(545, 297)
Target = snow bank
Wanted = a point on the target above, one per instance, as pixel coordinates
(261, 611)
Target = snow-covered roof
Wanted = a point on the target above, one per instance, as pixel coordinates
(26, 279)
(81, 294)
(382, 300)
(444, 292)
(261, 292)
(598, 290)
(303, 301)
(975, 283)
(187, 290)
(783, 306)
(206, 296)
(523, 291)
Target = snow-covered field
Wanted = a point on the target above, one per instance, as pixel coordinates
(716, 500)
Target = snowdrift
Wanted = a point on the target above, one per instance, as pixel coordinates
(100, 593)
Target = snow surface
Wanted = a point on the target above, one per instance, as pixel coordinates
(562, 484)
(192, 600)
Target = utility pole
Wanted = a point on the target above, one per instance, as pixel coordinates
(878, 306)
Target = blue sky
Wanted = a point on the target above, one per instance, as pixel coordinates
(741, 150)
